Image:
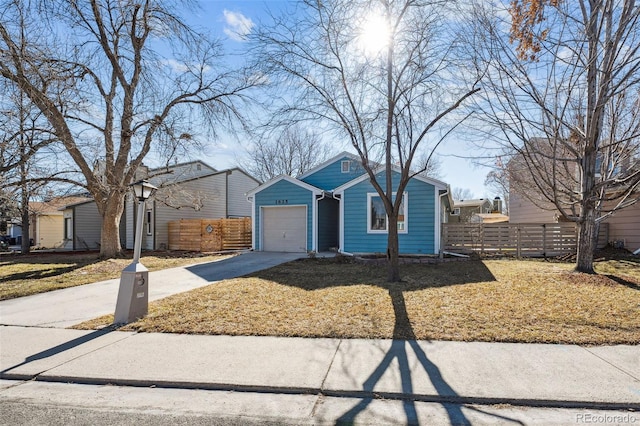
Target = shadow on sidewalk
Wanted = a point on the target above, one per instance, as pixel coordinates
(403, 330)
(61, 348)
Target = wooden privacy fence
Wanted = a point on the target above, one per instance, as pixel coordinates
(209, 235)
(523, 239)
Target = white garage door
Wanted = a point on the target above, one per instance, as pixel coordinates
(284, 229)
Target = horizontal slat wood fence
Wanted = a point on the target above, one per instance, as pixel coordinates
(209, 235)
(523, 239)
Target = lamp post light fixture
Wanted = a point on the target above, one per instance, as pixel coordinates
(133, 293)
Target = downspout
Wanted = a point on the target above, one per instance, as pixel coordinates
(440, 251)
(251, 199)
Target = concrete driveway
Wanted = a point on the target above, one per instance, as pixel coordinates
(70, 306)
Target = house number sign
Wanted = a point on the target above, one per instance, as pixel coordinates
(282, 201)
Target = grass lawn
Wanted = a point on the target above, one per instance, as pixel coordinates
(41, 272)
(490, 300)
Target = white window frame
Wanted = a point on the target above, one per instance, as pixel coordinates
(405, 213)
(456, 211)
(345, 166)
(68, 228)
(148, 222)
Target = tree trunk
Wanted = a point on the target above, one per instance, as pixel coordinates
(110, 246)
(393, 250)
(587, 240)
(25, 247)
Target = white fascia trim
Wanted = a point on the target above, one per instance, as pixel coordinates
(253, 222)
(341, 223)
(287, 178)
(436, 183)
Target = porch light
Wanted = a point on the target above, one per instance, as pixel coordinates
(143, 189)
(133, 293)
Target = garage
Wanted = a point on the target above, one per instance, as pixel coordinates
(284, 228)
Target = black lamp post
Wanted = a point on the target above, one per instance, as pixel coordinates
(133, 294)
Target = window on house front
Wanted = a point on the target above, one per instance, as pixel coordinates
(456, 212)
(613, 167)
(345, 166)
(377, 220)
(148, 222)
(68, 230)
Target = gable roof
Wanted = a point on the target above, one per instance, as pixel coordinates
(489, 218)
(327, 163)
(218, 172)
(56, 204)
(180, 172)
(286, 178)
(177, 165)
(471, 203)
(436, 183)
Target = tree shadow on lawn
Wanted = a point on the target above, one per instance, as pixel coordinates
(72, 261)
(622, 281)
(318, 274)
(41, 274)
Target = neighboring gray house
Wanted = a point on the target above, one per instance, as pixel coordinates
(463, 210)
(189, 191)
(82, 226)
(186, 191)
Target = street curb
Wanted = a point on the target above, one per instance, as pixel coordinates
(361, 394)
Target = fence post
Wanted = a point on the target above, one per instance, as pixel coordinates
(518, 242)
(544, 240)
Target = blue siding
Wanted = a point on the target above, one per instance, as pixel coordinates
(284, 193)
(330, 177)
(420, 237)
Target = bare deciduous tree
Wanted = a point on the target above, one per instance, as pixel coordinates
(292, 152)
(497, 181)
(115, 79)
(381, 74)
(460, 194)
(563, 89)
(26, 148)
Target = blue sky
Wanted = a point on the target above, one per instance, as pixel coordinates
(229, 19)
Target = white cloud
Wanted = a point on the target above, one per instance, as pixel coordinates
(237, 26)
(176, 65)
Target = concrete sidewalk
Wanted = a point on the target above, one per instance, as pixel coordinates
(445, 372)
(70, 306)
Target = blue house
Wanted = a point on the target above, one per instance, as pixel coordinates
(334, 206)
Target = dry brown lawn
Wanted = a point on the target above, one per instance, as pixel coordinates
(491, 300)
(38, 273)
